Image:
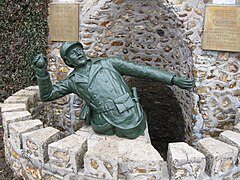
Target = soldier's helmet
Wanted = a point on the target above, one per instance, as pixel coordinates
(65, 46)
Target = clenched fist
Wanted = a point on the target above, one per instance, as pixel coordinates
(40, 61)
(40, 65)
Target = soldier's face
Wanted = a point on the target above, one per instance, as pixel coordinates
(76, 56)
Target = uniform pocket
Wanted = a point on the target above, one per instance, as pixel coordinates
(124, 102)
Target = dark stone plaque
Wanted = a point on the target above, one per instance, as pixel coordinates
(64, 22)
(222, 28)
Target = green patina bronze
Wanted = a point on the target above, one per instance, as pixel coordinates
(111, 106)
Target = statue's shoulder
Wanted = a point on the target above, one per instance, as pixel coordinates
(98, 60)
(72, 74)
(106, 59)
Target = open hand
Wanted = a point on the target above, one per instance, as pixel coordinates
(183, 82)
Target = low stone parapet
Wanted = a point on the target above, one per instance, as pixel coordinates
(35, 151)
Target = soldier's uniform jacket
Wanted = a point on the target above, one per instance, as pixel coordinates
(110, 102)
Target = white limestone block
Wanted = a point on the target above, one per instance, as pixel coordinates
(17, 99)
(68, 152)
(185, 161)
(101, 161)
(35, 143)
(11, 117)
(231, 138)
(220, 157)
(5, 107)
(17, 129)
(137, 158)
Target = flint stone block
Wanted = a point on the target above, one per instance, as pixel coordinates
(13, 107)
(137, 157)
(33, 172)
(185, 161)
(68, 152)
(11, 117)
(220, 157)
(17, 129)
(101, 161)
(35, 143)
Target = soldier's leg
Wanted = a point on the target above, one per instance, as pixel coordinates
(103, 128)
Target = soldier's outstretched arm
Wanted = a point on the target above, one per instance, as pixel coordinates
(48, 91)
(143, 71)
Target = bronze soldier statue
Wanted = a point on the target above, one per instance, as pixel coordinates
(111, 106)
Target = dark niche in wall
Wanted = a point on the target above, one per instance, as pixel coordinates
(165, 120)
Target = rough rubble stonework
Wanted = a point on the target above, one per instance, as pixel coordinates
(217, 73)
(165, 34)
(35, 151)
(143, 32)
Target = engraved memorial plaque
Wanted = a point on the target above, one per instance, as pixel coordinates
(222, 28)
(64, 18)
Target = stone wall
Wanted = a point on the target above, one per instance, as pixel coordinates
(139, 31)
(217, 74)
(36, 151)
(166, 34)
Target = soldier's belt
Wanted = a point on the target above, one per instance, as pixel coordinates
(122, 103)
(107, 106)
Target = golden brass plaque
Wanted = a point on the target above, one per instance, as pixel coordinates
(64, 20)
(222, 28)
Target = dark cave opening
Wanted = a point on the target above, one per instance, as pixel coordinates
(164, 115)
